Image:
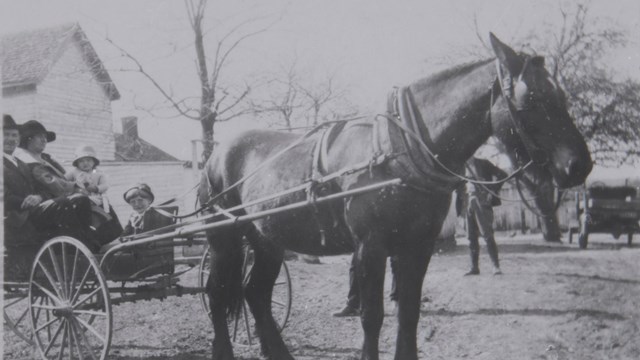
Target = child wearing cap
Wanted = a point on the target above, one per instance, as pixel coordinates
(144, 217)
(88, 178)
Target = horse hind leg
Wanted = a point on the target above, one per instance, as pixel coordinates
(224, 287)
(268, 259)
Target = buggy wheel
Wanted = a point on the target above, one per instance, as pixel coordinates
(69, 302)
(583, 240)
(15, 310)
(242, 329)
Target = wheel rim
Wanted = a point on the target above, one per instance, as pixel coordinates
(16, 308)
(69, 303)
(242, 328)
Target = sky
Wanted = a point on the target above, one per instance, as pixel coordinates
(370, 45)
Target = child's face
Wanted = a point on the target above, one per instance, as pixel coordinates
(139, 204)
(85, 164)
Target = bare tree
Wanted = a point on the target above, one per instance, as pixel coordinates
(607, 110)
(281, 96)
(218, 101)
(297, 99)
(318, 96)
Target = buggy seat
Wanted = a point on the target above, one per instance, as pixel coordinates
(145, 261)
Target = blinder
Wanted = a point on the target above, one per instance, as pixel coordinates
(515, 97)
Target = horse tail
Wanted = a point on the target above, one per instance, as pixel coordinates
(225, 245)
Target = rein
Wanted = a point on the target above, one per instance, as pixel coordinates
(534, 210)
(397, 120)
(344, 171)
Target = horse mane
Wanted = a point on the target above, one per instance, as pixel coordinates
(448, 74)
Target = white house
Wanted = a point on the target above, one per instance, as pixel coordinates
(54, 75)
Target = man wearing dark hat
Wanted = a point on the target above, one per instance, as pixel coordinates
(61, 210)
(19, 192)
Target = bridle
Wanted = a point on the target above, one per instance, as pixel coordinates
(537, 155)
(531, 208)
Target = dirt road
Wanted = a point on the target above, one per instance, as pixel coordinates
(553, 302)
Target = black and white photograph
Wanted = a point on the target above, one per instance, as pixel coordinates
(320, 179)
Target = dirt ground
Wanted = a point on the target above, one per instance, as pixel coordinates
(553, 302)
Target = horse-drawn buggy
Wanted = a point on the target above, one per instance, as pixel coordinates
(380, 188)
(606, 209)
(59, 295)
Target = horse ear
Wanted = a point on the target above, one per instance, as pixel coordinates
(506, 55)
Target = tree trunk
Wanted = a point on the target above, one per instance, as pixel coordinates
(207, 122)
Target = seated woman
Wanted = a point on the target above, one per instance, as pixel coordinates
(64, 207)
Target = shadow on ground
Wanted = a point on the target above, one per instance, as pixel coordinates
(530, 312)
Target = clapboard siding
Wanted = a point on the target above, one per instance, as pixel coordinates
(73, 104)
(21, 106)
(70, 101)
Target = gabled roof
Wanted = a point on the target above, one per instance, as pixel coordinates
(28, 56)
(139, 150)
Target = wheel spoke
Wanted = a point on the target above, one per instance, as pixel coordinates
(22, 315)
(65, 268)
(72, 282)
(53, 339)
(48, 323)
(6, 306)
(82, 282)
(91, 294)
(47, 292)
(83, 339)
(278, 303)
(91, 328)
(50, 278)
(89, 312)
(76, 339)
(235, 327)
(246, 322)
(56, 268)
(63, 343)
(48, 315)
(46, 307)
(37, 314)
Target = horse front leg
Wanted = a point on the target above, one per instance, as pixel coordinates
(371, 259)
(410, 267)
(224, 288)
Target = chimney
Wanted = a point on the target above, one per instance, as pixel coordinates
(130, 128)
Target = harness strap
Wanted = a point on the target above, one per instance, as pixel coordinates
(537, 155)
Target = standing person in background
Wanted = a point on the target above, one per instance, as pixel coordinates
(477, 200)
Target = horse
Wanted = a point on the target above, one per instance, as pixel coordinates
(431, 128)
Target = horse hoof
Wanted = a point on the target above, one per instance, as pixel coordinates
(222, 353)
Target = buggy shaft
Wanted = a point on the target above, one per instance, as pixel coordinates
(243, 219)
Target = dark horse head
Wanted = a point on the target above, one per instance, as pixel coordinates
(532, 119)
